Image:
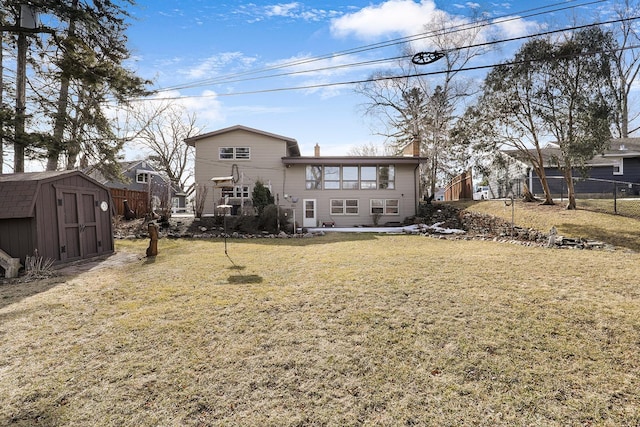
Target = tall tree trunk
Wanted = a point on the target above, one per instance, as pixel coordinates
(20, 142)
(571, 192)
(1, 98)
(57, 146)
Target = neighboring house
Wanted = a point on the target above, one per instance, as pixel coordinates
(140, 176)
(340, 191)
(508, 175)
(619, 164)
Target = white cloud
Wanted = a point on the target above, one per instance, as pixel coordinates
(392, 17)
(517, 27)
(294, 10)
(287, 9)
(213, 65)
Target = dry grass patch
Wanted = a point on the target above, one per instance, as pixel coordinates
(617, 230)
(338, 330)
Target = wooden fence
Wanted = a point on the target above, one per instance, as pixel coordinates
(138, 201)
(460, 187)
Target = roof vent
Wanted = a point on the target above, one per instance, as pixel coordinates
(622, 147)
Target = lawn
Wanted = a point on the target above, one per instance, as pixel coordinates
(334, 330)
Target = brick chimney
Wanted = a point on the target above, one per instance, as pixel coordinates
(416, 148)
(316, 151)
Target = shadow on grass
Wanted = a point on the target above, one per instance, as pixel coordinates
(16, 290)
(149, 260)
(629, 241)
(242, 279)
(330, 237)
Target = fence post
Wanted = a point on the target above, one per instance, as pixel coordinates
(615, 197)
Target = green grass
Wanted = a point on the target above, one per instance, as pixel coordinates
(334, 330)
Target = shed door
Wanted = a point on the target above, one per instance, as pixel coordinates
(78, 225)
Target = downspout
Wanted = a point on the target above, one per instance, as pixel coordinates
(531, 180)
(416, 186)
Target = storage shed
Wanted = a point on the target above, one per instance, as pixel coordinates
(64, 215)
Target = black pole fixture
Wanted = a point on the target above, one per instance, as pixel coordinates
(424, 58)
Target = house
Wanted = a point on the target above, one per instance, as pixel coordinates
(618, 167)
(64, 215)
(143, 186)
(508, 175)
(336, 190)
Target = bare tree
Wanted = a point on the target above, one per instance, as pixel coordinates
(417, 110)
(162, 130)
(370, 149)
(626, 68)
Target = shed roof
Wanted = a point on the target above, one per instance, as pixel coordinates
(18, 191)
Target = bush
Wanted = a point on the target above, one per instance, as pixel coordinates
(261, 197)
(268, 220)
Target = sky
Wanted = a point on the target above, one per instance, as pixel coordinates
(219, 58)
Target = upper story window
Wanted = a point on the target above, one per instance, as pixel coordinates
(235, 153)
(142, 178)
(368, 177)
(313, 177)
(332, 177)
(382, 177)
(350, 177)
(387, 177)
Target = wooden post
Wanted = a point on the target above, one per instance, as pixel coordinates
(152, 250)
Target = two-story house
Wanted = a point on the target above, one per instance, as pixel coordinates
(338, 190)
(153, 186)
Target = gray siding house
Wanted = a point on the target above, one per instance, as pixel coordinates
(338, 191)
(619, 164)
(140, 175)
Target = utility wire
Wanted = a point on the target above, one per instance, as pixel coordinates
(381, 78)
(392, 59)
(402, 40)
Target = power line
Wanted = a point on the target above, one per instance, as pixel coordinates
(402, 40)
(381, 78)
(441, 53)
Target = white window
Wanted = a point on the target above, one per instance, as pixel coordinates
(368, 177)
(344, 207)
(243, 153)
(235, 153)
(350, 177)
(618, 167)
(384, 207)
(314, 177)
(237, 191)
(329, 177)
(387, 177)
(142, 178)
(332, 177)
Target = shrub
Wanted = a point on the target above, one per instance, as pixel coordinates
(261, 197)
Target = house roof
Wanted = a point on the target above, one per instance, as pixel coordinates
(354, 160)
(18, 191)
(623, 147)
(620, 147)
(292, 144)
